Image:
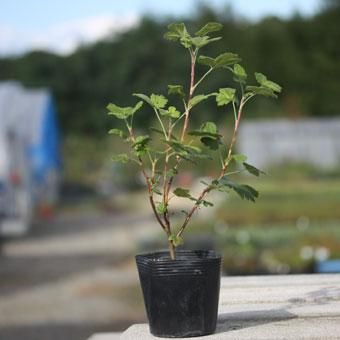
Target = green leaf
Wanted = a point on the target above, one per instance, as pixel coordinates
(181, 192)
(170, 112)
(262, 91)
(209, 135)
(140, 144)
(252, 169)
(208, 61)
(263, 81)
(260, 78)
(202, 41)
(178, 31)
(176, 240)
(243, 190)
(176, 89)
(155, 189)
(209, 127)
(211, 143)
(123, 112)
(225, 96)
(161, 208)
(187, 152)
(213, 138)
(239, 73)
(197, 99)
(223, 60)
(239, 158)
(171, 172)
(208, 28)
(118, 132)
(143, 97)
(122, 158)
(158, 101)
(207, 203)
(226, 59)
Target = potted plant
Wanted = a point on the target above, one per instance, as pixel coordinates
(181, 288)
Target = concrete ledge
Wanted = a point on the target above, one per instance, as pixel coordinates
(270, 307)
(106, 336)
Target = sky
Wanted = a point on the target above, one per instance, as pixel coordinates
(61, 25)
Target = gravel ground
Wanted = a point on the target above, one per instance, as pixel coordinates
(71, 277)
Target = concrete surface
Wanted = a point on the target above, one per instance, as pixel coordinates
(270, 307)
(71, 277)
(106, 336)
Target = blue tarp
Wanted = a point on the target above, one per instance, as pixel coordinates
(45, 153)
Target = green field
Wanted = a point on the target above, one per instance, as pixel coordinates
(294, 224)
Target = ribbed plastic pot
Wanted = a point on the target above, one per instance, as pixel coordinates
(180, 296)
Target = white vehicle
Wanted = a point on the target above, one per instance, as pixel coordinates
(29, 156)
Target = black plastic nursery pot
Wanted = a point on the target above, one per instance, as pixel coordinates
(180, 296)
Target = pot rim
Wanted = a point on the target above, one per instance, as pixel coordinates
(197, 255)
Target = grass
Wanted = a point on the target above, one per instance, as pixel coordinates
(285, 200)
(294, 223)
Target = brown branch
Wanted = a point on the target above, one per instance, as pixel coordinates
(148, 182)
(191, 92)
(168, 184)
(223, 171)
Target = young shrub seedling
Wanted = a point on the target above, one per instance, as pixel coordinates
(160, 166)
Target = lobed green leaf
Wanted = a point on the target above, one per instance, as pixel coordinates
(187, 152)
(239, 73)
(209, 135)
(208, 28)
(208, 61)
(207, 203)
(239, 158)
(197, 99)
(226, 59)
(225, 96)
(118, 132)
(171, 112)
(143, 97)
(140, 144)
(203, 41)
(243, 190)
(123, 112)
(176, 89)
(181, 192)
(263, 81)
(178, 31)
(262, 91)
(252, 169)
(158, 101)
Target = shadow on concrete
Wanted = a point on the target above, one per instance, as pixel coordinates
(234, 321)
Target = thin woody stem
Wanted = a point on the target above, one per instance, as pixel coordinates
(191, 92)
(223, 171)
(148, 182)
(168, 184)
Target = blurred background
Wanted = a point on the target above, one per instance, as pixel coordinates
(71, 220)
